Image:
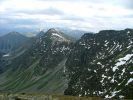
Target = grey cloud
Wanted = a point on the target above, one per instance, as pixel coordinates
(128, 16)
(48, 11)
(52, 11)
(72, 17)
(11, 20)
(61, 0)
(12, 23)
(130, 4)
(2, 1)
(122, 3)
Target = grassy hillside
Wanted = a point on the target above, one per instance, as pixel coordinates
(52, 81)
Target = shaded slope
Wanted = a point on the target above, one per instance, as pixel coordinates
(53, 81)
(101, 65)
(11, 41)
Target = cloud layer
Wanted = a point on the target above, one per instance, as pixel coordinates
(91, 15)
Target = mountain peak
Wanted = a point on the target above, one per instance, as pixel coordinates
(14, 33)
(11, 41)
(52, 29)
(56, 35)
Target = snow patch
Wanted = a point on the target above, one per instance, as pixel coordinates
(129, 81)
(128, 32)
(89, 69)
(99, 63)
(122, 61)
(112, 94)
(106, 43)
(123, 71)
(55, 34)
(6, 55)
(121, 96)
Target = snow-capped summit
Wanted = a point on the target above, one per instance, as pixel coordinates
(53, 30)
(56, 36)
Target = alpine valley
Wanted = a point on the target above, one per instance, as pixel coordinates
(97, 64)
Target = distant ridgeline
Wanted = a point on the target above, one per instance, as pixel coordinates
(11, 41)
(98, 64)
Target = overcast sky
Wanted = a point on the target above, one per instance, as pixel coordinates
(90, 15)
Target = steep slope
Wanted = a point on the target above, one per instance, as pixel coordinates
(102, 65)
(41, 68)
(8, 55)
(11, 41)
(1, 69)
(3, 63)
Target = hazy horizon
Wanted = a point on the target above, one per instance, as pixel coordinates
(92, 15)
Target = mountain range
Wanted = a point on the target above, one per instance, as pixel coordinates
(99, 64)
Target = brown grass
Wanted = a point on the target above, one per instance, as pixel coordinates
(7, 96)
